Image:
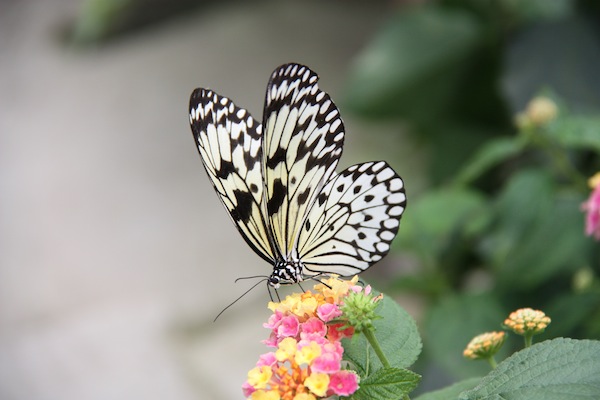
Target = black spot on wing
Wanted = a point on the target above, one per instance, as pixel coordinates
(243, 208)
(277, 198)
(227, 168)
(302, 197)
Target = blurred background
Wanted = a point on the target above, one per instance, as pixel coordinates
(115, 254)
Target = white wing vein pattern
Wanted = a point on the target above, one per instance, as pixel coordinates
(229, 142)
(303, 142)
(354, 220)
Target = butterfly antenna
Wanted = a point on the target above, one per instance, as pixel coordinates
(251, 277)
(236, 300)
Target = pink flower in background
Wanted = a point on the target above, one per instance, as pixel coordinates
(592, 208)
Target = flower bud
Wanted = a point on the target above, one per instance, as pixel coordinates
(526, 321)
(485, 345)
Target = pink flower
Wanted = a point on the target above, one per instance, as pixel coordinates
(289, 327)
(272, 341)
(313, 327)
(592, 208)
(343, 383)
(328, 362)
(248, 389)
(267, 359)
(328, 311)
(274, 320)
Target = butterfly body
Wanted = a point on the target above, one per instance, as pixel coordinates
(278, 182)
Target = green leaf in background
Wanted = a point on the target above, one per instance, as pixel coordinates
(432, 221)
(450, 392)
(488, 156)
(573, 310)
(412, 65)
(555, 369)
(386, 384)
(397, 334)
(453, 322)
(539, 232)
(577, 132)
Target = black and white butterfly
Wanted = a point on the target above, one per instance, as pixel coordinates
(278, 181)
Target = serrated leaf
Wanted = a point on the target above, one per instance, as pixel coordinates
(452, 391)
(555, 369)
(398, 337)
(386, 384)
(492, 153)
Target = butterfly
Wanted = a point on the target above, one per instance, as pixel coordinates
(278, 182)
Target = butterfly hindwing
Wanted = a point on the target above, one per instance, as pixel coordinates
(303, 138)
(229, 141)
(353, 221)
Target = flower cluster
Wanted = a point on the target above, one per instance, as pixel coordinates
(485, 345)
(592, 208)
(527, 321)
(307, 361)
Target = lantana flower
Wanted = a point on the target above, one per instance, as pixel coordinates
(527, 321)
(307, 361)
(592, 208)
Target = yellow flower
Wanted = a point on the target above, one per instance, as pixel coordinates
(541, 110)
(308, 353)
(286, 349)
(334, 289)
(317, 383)
(485, 345)
(594, 180)
(259, 377)
(262, 395)
(527, 321)
(302, 305)
(304, 396)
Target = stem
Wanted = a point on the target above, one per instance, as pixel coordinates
(492, 361)
(528, 339)
(375, 345)
(561, 161)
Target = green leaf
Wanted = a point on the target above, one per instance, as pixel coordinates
(453, 322)
(452, 391)
(492, 153)
(413, 64)
(438, 215)
(386, 384)
(398, 337)
(556, 369)
(539, 230)
(578, 132)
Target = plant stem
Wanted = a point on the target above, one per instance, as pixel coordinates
(375, 345)
(528, 340)
(492, 362)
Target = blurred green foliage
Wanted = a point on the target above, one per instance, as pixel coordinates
(500, 227)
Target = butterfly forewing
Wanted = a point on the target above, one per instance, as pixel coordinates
(303, 138)
(229, 141)
(353, 221)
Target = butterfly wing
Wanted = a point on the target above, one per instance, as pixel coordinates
(229, 142)
(354, 220)
(303, 138)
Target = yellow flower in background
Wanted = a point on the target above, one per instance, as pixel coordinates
(527, 321)
(484, 346)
